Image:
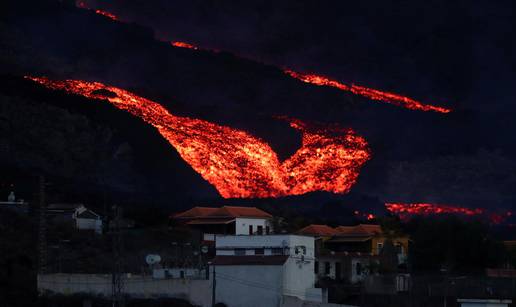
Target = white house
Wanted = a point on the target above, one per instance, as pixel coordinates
(227, 220)
(256, 271)
(85, 219)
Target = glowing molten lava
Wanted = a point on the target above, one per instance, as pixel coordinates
(83, 5)
(405, 211)
(184, 45)
(238, 164)
(370, 93)
(107, 14)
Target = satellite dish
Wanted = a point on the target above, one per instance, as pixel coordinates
(152, 259)
(204, 249)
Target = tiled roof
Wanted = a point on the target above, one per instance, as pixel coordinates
(506, 273)
(228, 211)
(318, 230)
(194, 212)
(88, 214)
(359, 230)
(222, 212)
(250, 260)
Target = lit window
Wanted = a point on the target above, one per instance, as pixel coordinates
(380, 246)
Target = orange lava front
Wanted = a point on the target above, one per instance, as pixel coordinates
(184, 45)
(238, 164)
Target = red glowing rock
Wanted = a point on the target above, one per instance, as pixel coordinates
(370, 93)
(238, 164)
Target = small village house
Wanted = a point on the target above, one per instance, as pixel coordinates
(226, 220)
(263, 270)
(346, 253)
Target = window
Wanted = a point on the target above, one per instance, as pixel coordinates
(259, 251)
(379, 246)
(277, 251)
(260, 230)
(239, 251)
(399, 248)
(359, 268)
(267, 229)
(316, 267)
(250, 229)
(327, 267)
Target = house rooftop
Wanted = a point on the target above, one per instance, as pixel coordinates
(222, 212)
(365, 230)
(318, 230)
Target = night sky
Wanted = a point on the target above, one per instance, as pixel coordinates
(454, 54)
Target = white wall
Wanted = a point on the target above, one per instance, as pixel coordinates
(249, 285)
(298, 275)
(299, 268)
(242, 225)
(229, 241)
(89, 224)
(197, 292)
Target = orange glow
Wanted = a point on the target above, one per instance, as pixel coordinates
(83, 5)
(107, 14)
(373, 94)
(184, 45)
(405, 211)
(238, 164)
(364, 215)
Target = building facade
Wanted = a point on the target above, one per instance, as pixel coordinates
(264, 269)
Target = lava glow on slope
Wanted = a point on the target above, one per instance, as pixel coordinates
(238, 164)
(83, 5)
(405, 211)
(370, 93)
(183, 45)
(394, 99)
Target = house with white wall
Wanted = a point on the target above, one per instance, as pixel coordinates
(86, 219)
(262, 270)
(226, 220)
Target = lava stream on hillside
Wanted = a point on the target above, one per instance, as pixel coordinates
(391, 98)
(406, 210)
(184, 45)
(373, 94)
(83, 5)
(236, 163)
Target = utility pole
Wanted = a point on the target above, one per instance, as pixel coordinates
(117, 283)
(214, 283)
(42, 227)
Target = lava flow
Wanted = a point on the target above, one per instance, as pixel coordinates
(370, 93)
(238, 164)
(184, 45)
(394, 99)
(405, 211)
(391, 98)
(83, 5)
